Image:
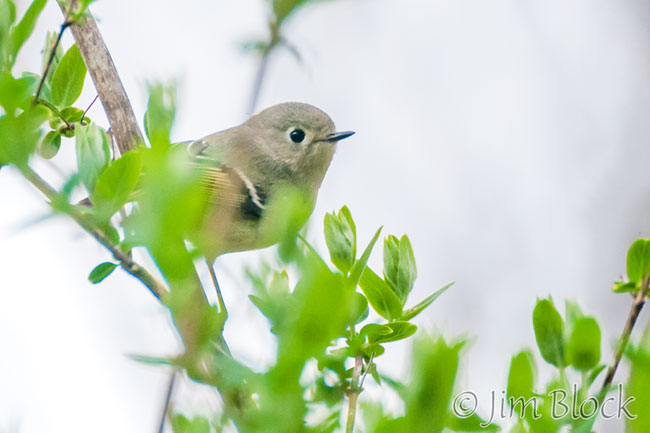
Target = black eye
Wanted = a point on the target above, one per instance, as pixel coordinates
(297, 135)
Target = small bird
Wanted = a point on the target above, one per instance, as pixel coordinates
(246, 169)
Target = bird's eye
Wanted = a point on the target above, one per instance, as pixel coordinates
(297, 135)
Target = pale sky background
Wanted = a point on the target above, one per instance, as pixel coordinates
(509, 139)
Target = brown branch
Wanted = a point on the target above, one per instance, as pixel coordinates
(127, 135)
(155, 287)
(633, 315)
(107, 82)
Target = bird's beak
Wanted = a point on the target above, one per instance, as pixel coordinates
(337, 136)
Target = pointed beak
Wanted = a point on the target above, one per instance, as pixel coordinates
(337, 136)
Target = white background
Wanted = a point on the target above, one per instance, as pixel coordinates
(509, 139)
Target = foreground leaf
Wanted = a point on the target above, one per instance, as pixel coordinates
(116, 183)
(419, 307)
(340, 238)
(160, 114)
(434, 368)
(50, 145)
(583, 350)
(638, 260)
(68, 79)
(549, 329)
(382, 298)
(521, 380)
(101, 271)
(24, 28)
(392, 331)
(472, 423)
(360, 265)
(93, 154)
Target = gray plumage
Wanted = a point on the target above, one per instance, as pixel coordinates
(246, 168)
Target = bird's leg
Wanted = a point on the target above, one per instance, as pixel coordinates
(220, 341)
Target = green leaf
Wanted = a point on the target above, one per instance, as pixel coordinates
(319, 312)
(152, 360)
(593, 374)
(406, 270)
(585, 425)
(549, 329)
(50, 145)
(471, 423)
(161, 110)
(116, 183)
(521, 380)
(624, 287)
(391, 260)
(392, 331)
(50, 40)
(68, 79)
(583, 350)
(283, 8)
(399, 265)
(519, 428)
(573, 313)
(181, 424)
(280, 284)
(374, 350)
(15, 91)
(374, 331)
(82, 6)
(340, 238)
(7, 18)
(359, 310)
(360, 265)
(638, 260)
(93, 154)
(72, 114)
(428, 396)
(419, 307)
(383, 300)
(24, 28)
(20, 135)
(637, 386)
(101, 271)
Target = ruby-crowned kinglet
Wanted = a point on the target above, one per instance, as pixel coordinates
(246, 169)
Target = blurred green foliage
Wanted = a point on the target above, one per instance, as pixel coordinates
(331, 315)
(637, 385)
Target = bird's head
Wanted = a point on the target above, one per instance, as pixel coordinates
(298, 138)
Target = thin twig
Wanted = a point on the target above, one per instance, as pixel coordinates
(168, 399)
(274, 40)
(365, 373)
(66, 23)
(155, 287)
(88, 108)
(633, 315)
(257, 83)
(353, 393)
(54, 110)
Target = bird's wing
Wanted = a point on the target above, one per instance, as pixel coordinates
(223, 184)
